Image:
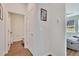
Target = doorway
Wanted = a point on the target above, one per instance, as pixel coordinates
(15, 24)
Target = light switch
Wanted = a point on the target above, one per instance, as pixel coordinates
(31, 34)
(57, 20)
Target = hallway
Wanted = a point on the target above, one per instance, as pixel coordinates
(17, 49)
(32, 23)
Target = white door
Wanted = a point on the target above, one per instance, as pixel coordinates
(17, 27)
(9, 28)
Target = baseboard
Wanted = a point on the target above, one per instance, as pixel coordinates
(46, 54)
(2, 53)
(5, 52)
(51, 54)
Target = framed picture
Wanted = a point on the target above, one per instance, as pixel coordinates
(70, 26)
(43, 14)
(1, 12)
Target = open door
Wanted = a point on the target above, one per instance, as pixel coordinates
(9, 29)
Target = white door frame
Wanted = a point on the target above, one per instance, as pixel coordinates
(25, 26)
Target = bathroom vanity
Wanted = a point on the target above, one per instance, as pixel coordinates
(73, 43)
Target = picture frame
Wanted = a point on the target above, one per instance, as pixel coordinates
(70, 26)
(1, 12)
(43, 14)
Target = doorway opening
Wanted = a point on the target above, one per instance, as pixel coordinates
(15, 26)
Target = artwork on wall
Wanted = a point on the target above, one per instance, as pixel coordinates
(1, 12)
(70, 26)
(43, 14)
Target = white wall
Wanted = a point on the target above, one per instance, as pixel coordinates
(71, 8)
(52, 31)
(47, 37)
(16, 7)
(2, 34)
(2, 41)
(32, 29)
